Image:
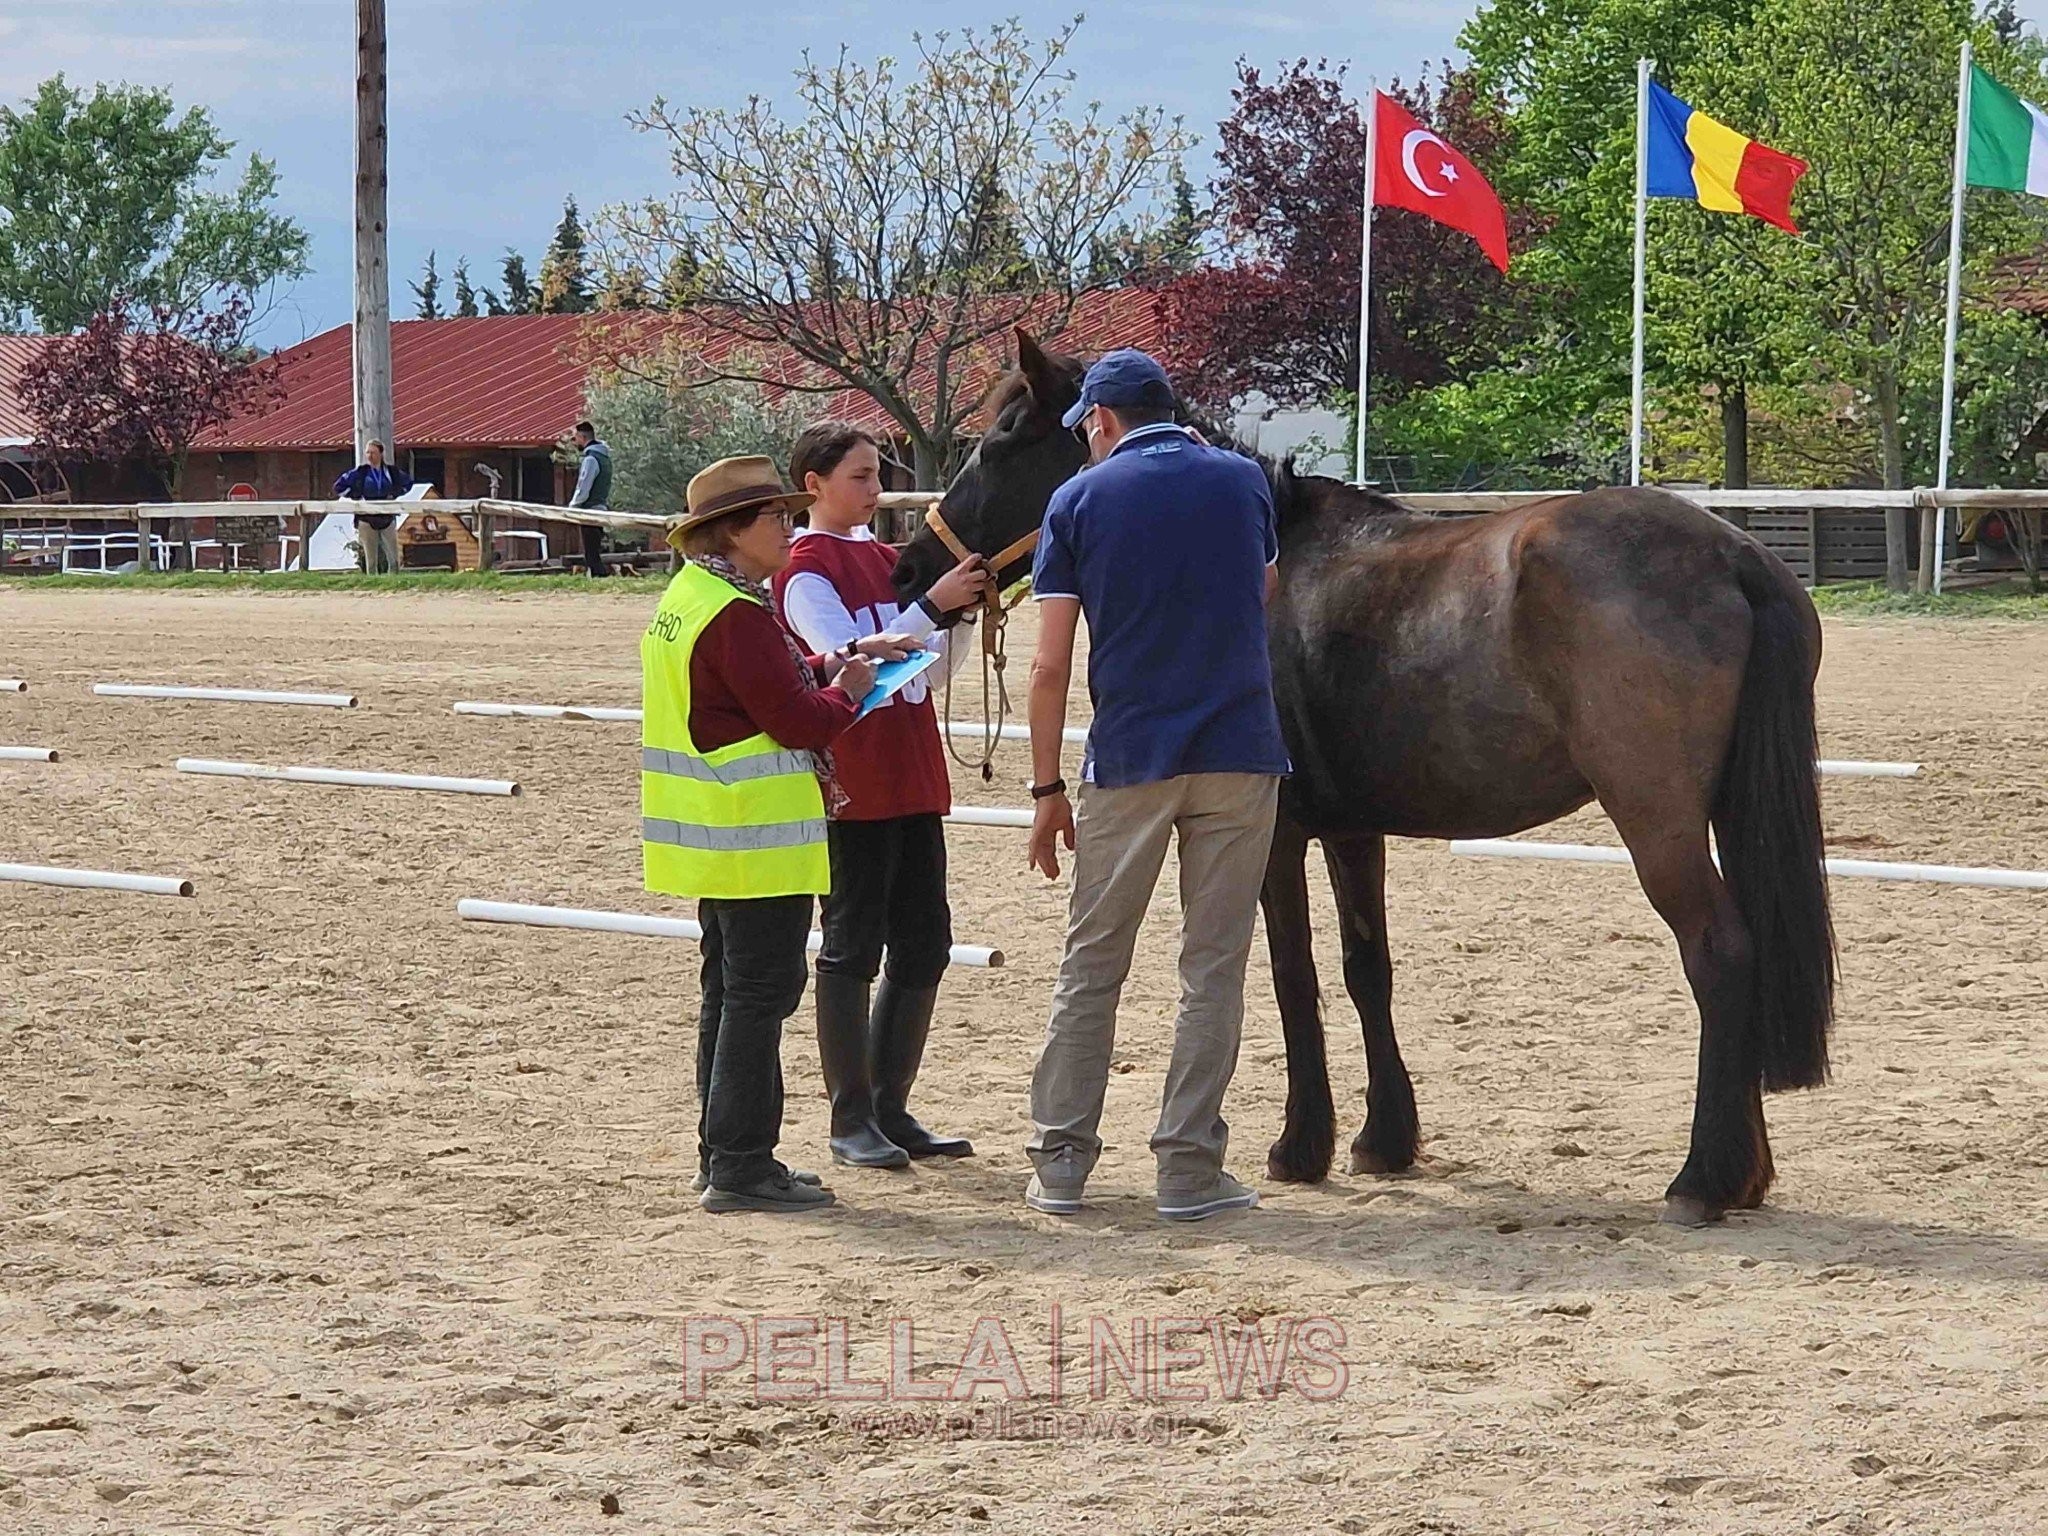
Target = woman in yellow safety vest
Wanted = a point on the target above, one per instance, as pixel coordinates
(735, 785)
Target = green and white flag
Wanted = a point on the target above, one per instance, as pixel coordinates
(2008, 138)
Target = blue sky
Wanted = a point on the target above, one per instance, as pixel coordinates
(501, 107)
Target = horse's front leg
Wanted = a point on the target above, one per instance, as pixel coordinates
(1390, 1137)
(1309, 1139)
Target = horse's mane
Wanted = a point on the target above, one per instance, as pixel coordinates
(1302, 501)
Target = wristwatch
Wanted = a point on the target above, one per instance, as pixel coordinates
(1047, 791)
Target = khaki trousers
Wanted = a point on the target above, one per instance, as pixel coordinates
(1224, 823)
(380, 549)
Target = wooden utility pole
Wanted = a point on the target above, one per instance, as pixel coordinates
(372, 332)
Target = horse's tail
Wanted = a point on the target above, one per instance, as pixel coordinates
(1768, 828)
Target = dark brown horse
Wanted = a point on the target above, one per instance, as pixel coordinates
(1475, 677)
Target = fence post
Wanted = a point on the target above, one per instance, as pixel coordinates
(305, 542)
(142, 562)
(1813, 515)
(486, 556)
(1930, 544)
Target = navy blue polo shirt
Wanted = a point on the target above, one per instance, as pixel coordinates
(1166, 543)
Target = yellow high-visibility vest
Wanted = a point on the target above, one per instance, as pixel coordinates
(741, 821)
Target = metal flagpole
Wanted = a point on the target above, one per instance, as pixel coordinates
(1635, 406)
(1939, 515)
(1372, 146)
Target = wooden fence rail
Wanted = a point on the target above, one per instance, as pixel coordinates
(1824, 535)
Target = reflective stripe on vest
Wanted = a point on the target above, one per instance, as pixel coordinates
(765, 765)
(683, 834)
(737, 822)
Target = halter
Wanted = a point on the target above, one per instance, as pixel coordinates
(994, 630)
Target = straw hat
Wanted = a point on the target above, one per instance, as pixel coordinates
(734, 485)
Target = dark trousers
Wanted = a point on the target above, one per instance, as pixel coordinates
(753, 979)
(888, 891)
(593, 550)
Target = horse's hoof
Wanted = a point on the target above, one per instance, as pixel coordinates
(1378, 1164)
(1292, 1165)
(1684, 1211)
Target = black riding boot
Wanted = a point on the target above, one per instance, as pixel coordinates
(843, 1048)
(903, 1018)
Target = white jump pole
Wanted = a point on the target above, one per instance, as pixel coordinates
(12, 685)
(545, 711)
(1073, 735)
(28, 754)
(95, 879)
(348, 777)
(1848, 768)
(1866, 869)
(988, 816)
(471, 910)
(966, 729)
(224, 695)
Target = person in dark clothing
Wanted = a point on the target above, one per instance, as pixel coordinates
(888, 841)
(374, 480)
(593, 492)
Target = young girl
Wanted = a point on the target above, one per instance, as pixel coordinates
(888, 841)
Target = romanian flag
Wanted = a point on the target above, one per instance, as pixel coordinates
(1692, 156)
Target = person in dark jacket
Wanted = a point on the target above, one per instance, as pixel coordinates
(374, 480)
(593, 492)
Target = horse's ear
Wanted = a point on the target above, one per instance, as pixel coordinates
(1039, 371)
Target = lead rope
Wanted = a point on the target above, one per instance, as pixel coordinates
(995, 627)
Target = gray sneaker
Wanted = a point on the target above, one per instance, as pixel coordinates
(777, 1192)
(1226, 1194)
(1056, 1188)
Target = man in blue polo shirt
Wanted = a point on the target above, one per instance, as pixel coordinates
(1168, 546)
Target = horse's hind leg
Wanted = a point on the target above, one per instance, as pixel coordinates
(1729, 1164)
(1390, 1137)
(1307, 1142)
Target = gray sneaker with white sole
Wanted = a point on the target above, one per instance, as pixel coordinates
(1056, 1188)
(1226, 1194)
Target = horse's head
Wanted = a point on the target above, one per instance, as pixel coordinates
(1001, 492)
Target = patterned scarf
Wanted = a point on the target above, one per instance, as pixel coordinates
(733, 576)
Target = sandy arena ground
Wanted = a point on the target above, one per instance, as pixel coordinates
(322, 1212)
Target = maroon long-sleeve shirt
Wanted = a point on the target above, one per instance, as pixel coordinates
(741, 684)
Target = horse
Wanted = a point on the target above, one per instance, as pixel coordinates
(1444, 677)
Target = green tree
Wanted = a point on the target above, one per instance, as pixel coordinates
(465, 292)
(111, 197)
(565, 268)
(682, 280)
(427, 291)
(1123, 256)
(1875, 206)
(520, 298)
(913, 201)
(625, 287)
(661, 436)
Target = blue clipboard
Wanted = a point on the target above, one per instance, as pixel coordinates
(890, 678)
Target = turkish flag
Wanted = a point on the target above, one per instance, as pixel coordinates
(1416, 170)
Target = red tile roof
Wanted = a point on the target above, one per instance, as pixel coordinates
(2025, 281)
(507, 381)
(517, 380)
(16, 353)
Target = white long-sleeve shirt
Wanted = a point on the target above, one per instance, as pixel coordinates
(814, 609)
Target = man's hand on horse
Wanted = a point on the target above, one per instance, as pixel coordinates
(1051, 819)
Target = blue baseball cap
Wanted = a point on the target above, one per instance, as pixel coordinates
(1123, 377)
